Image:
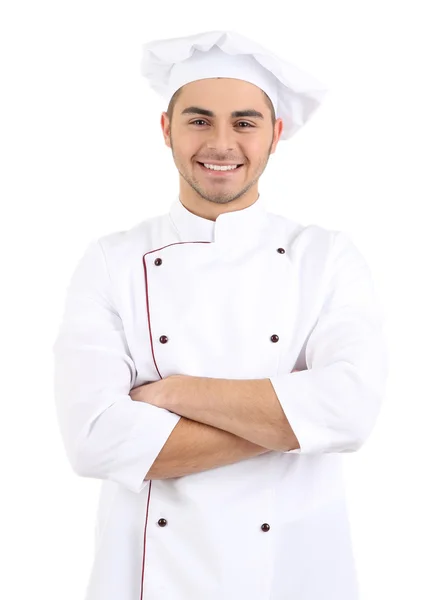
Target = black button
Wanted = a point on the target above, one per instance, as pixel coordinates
(164, 339)
(281, 250)
(265, 526)
(274, 337)
(158, 261)
(162, 522)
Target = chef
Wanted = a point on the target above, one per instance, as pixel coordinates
(214, 363)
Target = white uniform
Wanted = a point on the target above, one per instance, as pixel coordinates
(251, 295)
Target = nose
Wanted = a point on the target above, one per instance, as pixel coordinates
(221, 138)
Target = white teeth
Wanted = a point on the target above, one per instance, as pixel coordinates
(220, 167)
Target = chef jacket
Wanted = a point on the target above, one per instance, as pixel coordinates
(250, 295)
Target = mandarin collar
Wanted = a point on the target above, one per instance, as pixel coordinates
(234, 227)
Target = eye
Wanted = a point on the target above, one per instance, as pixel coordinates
(205, 122)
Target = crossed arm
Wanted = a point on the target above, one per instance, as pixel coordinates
(223, 421)
(332, 408)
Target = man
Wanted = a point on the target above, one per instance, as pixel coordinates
(214, 363)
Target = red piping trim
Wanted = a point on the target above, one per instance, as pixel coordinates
(144, 544)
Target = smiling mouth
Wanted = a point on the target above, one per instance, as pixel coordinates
(219, 171)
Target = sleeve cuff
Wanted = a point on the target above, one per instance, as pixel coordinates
(148, 436)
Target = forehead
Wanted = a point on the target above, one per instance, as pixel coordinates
(221, 90)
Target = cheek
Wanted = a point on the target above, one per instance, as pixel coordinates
(184, 143)
(254, 149)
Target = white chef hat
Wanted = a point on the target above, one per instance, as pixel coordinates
(170, 63)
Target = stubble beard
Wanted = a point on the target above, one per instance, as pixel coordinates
(219, 197)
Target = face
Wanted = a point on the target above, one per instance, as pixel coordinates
(206, 130)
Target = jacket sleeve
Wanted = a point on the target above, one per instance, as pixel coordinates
(332, 406)
(106, 434)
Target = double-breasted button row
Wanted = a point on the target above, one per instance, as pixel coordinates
(163, 523)
(164, 339)
(159, 261)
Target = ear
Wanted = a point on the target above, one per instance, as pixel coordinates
(165, 126)
(279, 126)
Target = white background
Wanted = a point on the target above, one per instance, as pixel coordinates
(82, 155)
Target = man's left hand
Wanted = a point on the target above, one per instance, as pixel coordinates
(158, 393)
(151, 393)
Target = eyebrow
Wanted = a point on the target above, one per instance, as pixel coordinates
(196, 110)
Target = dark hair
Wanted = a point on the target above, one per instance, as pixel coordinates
(178, 92)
